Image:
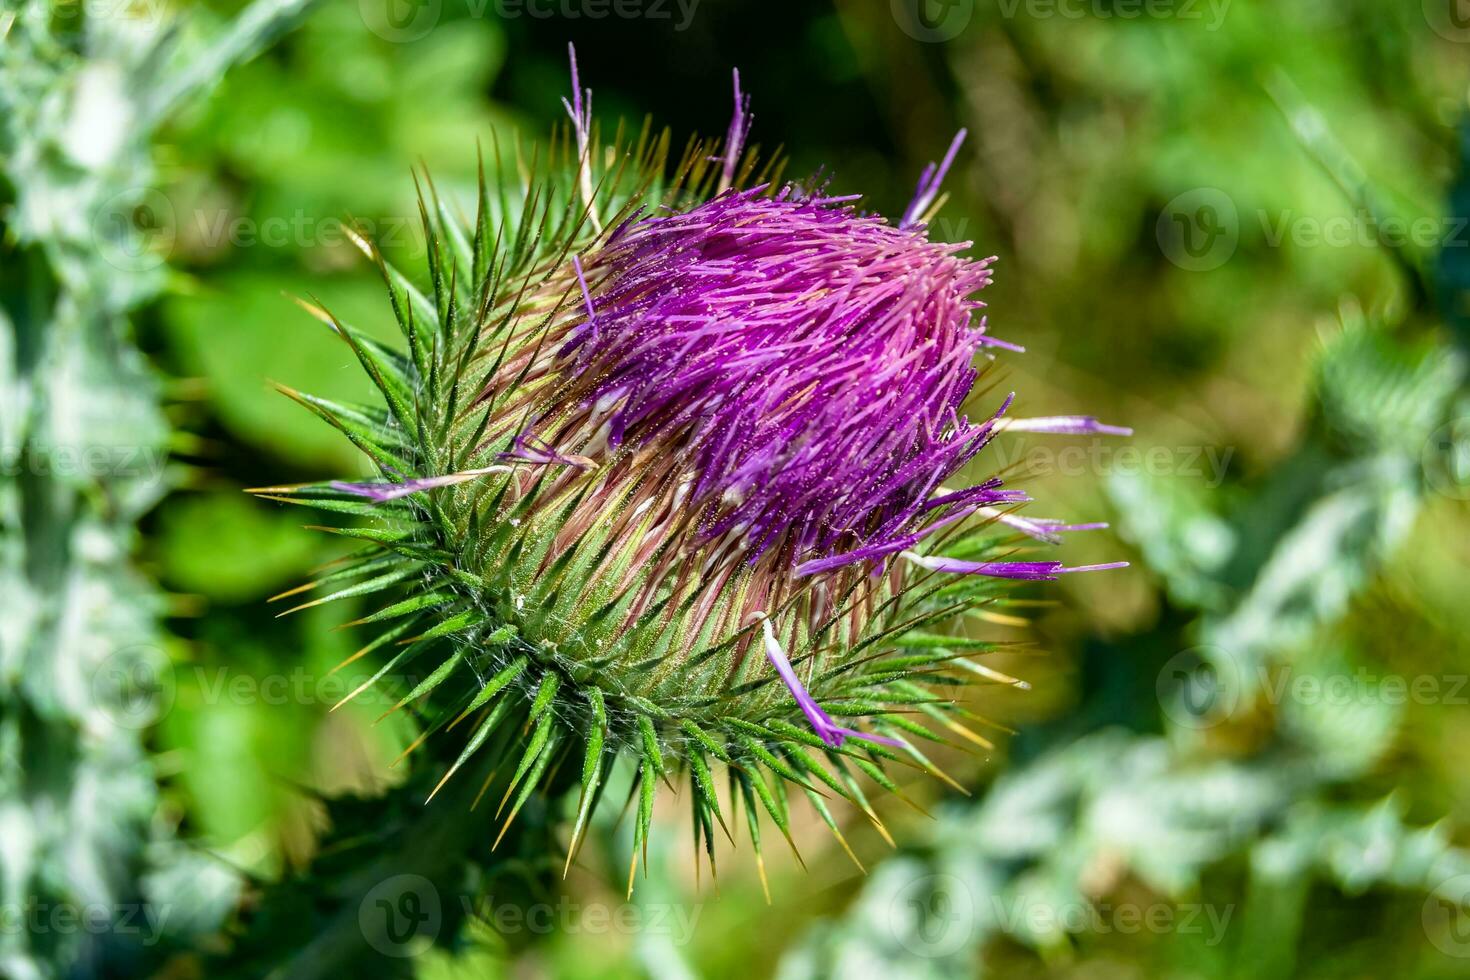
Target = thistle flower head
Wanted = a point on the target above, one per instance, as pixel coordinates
(802, 367)
(674, 467)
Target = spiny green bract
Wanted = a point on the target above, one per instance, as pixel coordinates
(543, 650)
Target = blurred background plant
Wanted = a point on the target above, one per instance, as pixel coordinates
(1237, 226)
(83, 445)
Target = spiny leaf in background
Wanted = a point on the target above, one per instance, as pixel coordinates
(672, 468)
(1046, 857)
(81, 93)
(1247, 777)
(1453, 266)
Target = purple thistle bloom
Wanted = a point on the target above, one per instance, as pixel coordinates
(653, 421)
(799, 368)
(760, 399)
(805, 363)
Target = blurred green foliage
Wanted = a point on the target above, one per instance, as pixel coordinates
(83, 436)
(1306, 519)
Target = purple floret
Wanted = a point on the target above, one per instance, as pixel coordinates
(809, 361)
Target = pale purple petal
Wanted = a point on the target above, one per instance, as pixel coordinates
(735, 136)
(1041, 528)
(1030, 571)
(383, 492)
(528, 449)
(989, 341)
(827, 729)
(1065, 424)
(929, 183)
(586, 298)
(1104, 567)
(579, 110)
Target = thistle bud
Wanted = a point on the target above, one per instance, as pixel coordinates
(672, 471)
